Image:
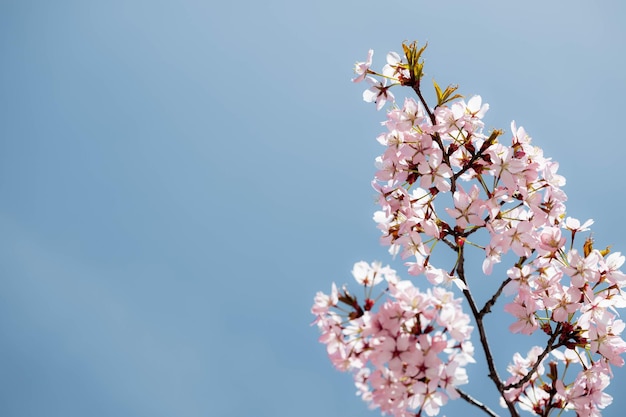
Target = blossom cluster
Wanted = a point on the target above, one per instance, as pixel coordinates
(572, 297)
(545, 392)
(409, 354)
(505, 199)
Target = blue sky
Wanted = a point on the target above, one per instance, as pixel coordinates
(178, 179)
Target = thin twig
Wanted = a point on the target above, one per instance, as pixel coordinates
(431, 116)
(490, 303)
(435, 136)
(549, 348)
(481, 152)
(473, 401)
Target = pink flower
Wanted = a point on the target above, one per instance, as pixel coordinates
(450, 120)
(468, 208)
(575, 226)
(609, 268)
(569, 356)
(438, 276)
(475, 108)
(433, 399)
(520, 238)
(366, 274)
(593, 310)
(562, 301)
(435, 173)
(550, 240)
(378, 92)
(493, 256)
(583, 270)
(324, 302)
(520, 277)
(605, 339)
(586, 395)
(361, 68)
(506, 167)
(394, 68)
(523, 309)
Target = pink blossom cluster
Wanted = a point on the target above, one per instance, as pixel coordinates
(505, 200)
(545, 392)
(409, 354)
(573, 298)
(515, 195)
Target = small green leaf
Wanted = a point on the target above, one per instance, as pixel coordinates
(438, 91)
(446, 96)
(414, 62)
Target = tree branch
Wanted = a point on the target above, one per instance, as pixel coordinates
(549, 348)
(481, 152)
(490, 303)
(431, 116)
(473, 401)
(493, 373)
(435, 136)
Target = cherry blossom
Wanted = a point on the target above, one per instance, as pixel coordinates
(361, 68)
(445, 184)
(378, 92)
(407, 355)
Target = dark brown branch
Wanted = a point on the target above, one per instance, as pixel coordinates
(549, 348)
(493, 373)
(435, 136)
(478, 155)
(431, 116)
(492, 301)
(478, 315)
(473, 401)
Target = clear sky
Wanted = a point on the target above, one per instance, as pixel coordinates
(178, 179)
